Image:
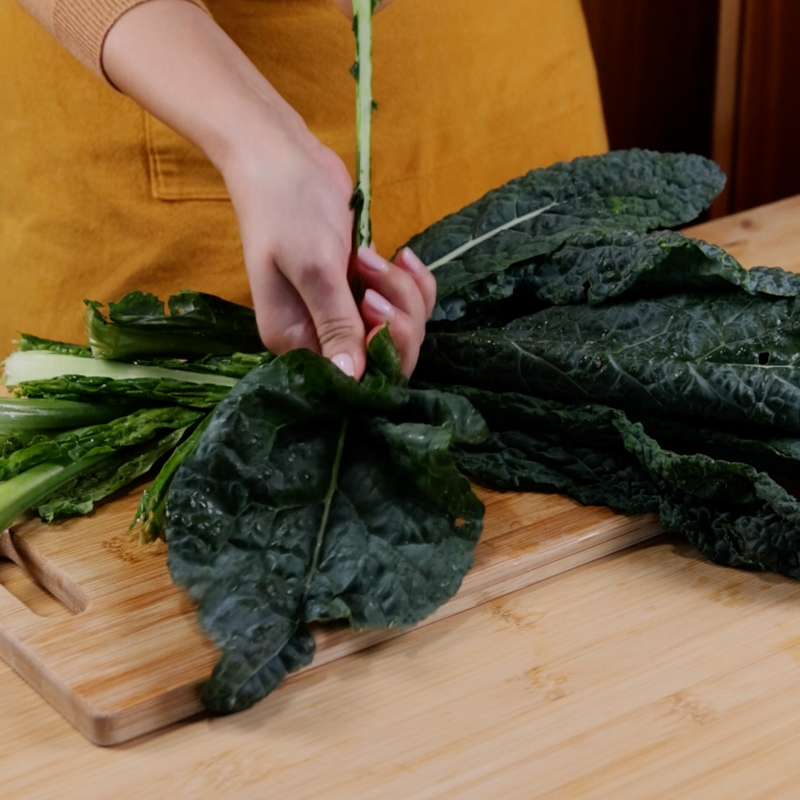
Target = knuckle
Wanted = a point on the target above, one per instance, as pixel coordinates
(337, 329)
(320, 271)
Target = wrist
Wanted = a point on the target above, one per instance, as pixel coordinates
(251, 130)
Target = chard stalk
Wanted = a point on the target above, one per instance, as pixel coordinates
(32, 487)
(25, 414)
(38, 365)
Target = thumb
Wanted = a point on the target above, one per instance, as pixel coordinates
(338, 324)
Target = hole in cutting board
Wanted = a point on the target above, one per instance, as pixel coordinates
(26, 576)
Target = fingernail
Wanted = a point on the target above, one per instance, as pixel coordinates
(345, 363)
(371, 260)
(379, 304)
(411, 260)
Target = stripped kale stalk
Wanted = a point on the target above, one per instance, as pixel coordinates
(362, 72)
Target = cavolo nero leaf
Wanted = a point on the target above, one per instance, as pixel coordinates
(734, 513)
(533, 215)
(730, 356)
(595, 266)
(312, 496)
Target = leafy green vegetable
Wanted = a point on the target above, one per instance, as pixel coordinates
(595, 266)
(148, 391)
(34, 486)
(197, 325)
(29, 342)
(314, 497)
(85, 426)
(151, 515)
(137, 427)
(79, 495)
(533, 215)
(68, 473)
(622, 364)
(24, 367)
(734, 513)
(18, 414)
(729, 356)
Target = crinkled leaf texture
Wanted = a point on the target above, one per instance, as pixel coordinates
(734, 513)
(471, 250)
(315, 497)
(730, 356)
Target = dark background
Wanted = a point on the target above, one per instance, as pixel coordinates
(716, 77)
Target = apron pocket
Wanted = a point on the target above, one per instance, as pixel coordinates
(178, 169)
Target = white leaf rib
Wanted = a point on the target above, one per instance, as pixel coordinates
(472, 243)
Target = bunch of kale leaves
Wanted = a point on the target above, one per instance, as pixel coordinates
(578, 345)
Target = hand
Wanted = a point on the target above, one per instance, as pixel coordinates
(291, 194)
(401, 294)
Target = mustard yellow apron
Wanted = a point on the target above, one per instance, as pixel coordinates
(97, 198)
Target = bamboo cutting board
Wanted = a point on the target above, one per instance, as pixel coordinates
(119, 654)
(91, 619)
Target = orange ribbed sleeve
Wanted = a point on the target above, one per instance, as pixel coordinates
(81, 25)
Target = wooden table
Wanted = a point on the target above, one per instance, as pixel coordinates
(647, 674)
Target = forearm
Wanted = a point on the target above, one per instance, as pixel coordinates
(176, 62)
(81, 25)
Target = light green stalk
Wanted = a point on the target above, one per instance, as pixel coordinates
(38, 483)
(36, 365)
(362, 72)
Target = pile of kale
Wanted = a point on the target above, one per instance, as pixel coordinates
(579, 345)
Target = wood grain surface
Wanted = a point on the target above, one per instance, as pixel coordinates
(91, 619)
(650, 673)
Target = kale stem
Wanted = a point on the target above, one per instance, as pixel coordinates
(362, 27)
(337, 463)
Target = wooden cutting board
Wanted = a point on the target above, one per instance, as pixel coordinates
(91, 619)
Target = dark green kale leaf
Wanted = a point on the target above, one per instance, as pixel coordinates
(730, 356)
(533, 215)
(311, 496)
(734, 513)
(595, 266)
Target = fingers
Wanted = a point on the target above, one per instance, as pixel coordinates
(283, 320)
(400, 294)
(335, 316)
(314, 309)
